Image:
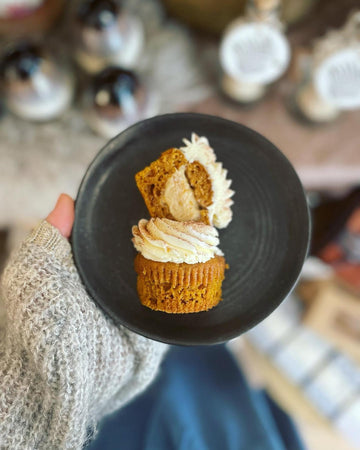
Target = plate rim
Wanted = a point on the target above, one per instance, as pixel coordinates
(110, 147)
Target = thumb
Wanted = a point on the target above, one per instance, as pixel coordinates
(62, 216)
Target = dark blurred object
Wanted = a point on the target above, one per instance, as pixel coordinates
(106, 34)
(333, 303)
(24, 17)
(336, 237)
(115, 99)
(330, 217)
(324, 15)
(212, 16)
(36, 85)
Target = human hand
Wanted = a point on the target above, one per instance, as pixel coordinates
(62, 216)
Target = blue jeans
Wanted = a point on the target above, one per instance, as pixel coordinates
(200, 401)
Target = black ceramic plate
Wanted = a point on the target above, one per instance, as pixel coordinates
(265, 244)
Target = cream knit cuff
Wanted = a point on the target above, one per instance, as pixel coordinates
(50, 239)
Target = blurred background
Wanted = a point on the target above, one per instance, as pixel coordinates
(74, 74)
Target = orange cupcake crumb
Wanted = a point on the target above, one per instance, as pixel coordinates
(179, 288)
(153, 180)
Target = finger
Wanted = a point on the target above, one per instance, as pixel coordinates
(62, 216)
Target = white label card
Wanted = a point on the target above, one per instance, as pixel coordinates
(254, 53)
(337, 79)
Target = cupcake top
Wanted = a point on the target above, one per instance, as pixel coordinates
(198, 149)
(166, 240)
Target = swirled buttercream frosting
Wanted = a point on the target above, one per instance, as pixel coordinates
(198, 149)
(166, 240)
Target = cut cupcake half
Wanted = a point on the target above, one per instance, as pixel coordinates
(188, 184)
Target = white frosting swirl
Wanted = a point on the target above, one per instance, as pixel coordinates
(198, 149)
(167, 240)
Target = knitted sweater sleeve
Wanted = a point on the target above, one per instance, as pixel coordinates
(63, 364)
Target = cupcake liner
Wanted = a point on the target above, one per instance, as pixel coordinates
(179, 288)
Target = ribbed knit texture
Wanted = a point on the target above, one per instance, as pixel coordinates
(63, 364)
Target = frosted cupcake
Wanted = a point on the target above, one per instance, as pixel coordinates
(179, 265)
(187, 184)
